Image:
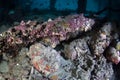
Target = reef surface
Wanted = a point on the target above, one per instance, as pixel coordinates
(66, 48)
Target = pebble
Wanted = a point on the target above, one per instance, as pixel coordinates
(4, 68)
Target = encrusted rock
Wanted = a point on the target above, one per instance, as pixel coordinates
(112, 53)
(101, 40)
(51, 32)
(85, 56)
(86, 66)
(49, 62)
(76, 48)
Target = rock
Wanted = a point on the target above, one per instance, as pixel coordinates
(4, 67)
(102, 70)
(4, 28)
(49, 62)
(1, 78)
(17, 70)
(112, 55)
(101, 40)
(86, 66)
(51, 33)
(76, 48)
(81, 64)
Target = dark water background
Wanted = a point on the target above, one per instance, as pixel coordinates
(16, 10)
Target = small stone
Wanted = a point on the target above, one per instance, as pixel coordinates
(113, 55)
(49, 20)
(4, 67)
(1, 78)
(16, 23)
(118, 46)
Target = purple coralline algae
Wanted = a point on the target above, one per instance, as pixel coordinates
(51, 32)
